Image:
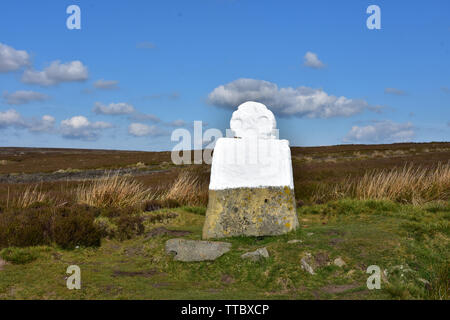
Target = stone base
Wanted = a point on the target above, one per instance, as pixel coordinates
(250, 212)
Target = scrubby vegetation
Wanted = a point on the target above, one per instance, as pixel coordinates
(383, 205)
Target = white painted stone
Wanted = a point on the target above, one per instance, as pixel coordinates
(253, 118)
(252, 160)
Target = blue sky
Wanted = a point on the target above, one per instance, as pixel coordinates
(139, 69)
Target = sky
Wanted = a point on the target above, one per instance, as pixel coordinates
(138, 70)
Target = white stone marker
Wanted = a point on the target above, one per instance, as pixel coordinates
(251, 190)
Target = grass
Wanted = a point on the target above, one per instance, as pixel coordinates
(365, 204)
(409, 184)
(362, 233)
(112, 191)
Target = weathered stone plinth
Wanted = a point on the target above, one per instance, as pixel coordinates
(251, 190)
(250, 212)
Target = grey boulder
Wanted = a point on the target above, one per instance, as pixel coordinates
(256, 255)
(196, 250)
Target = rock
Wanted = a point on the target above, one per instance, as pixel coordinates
(305, 263)
(196, 250)
(295, 241)
(339, 262)
(251, 190)
(309, 234)
(256, 255)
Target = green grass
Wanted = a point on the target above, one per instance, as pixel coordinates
(362, 233)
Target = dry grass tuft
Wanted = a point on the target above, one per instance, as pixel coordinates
(112, 191)
(30, 196)
(190, 188)
(415, 185)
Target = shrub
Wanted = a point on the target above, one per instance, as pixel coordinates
(65, 226)
(26, 227)
(74, 227)
(129, 226)
(18, 255)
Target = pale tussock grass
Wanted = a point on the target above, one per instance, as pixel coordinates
(29, 196)
(112, 191)
(409, 184)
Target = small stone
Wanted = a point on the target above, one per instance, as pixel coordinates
(305, 263)
(339, 262)
(295, 241)
(256, 255)
(309, 234)
(196, 250)
(306, 266)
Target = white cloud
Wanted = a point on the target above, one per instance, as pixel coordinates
(142, 129)
(11, 118)
(56, 73)
(22, 97)
(177, 123)
(45, 124)
(299, 102)
(79, 127)
(394, 91)
(12, 59)
(113, 108)
(145, 117)
(382, 131)
(106, 84)
(311, 60)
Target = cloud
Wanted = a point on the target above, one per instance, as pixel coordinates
(311, 60)
(57, 73)
(395, 91)
(142, 129)
(23, 97)
(177, 123)
(146, 45)
(11, 118)
(106, 84)
(45, 124)
(79, 127)
(299, 102)
(113, 108)
(382, 131)
(144, 117)
(12, 59)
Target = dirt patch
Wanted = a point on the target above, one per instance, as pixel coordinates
(226, 278)
(336, 241)
(145, 274)
(163, 231)
(333, 289)
(334, 232)
(321, 259)
(2, 263)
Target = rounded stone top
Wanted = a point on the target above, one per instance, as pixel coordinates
(253, 118)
